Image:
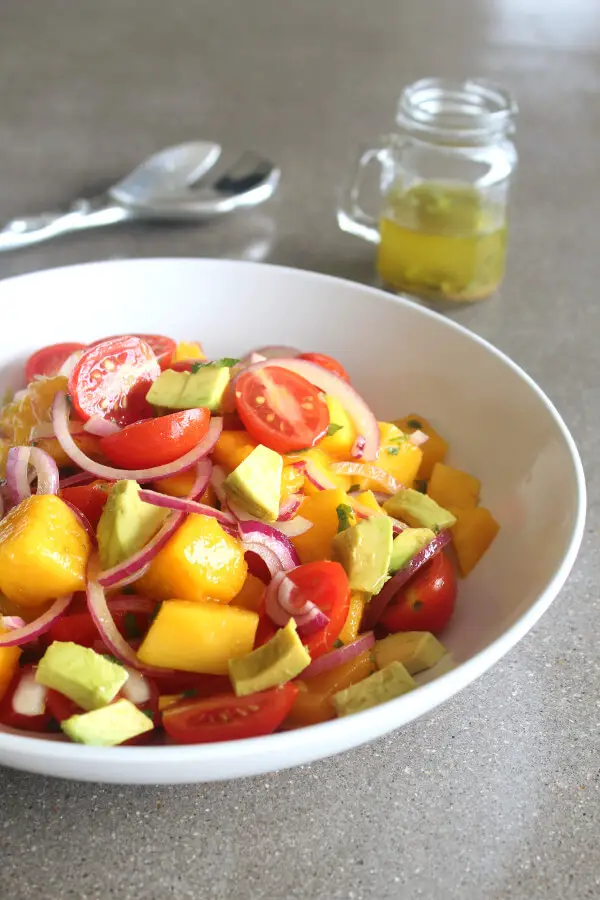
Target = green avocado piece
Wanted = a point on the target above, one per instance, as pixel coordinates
(256, 483)
(388, 683)
(126, 523)
(418, 510)
(407, 544)
(189, 390)
(416, 650)
(365, 551)
(276, 662)
(81, 674)
(108, 726)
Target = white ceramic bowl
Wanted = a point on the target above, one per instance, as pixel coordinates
(403, 359)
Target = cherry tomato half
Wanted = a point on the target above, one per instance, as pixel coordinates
(61, 707)
(112, 379)
(49, 360)
(90, 499)
(426, 602)
(163, 347)
(326, 362)
(156, 442)
(25, 704)
(281, 409)
(324, 583)
(227, 717)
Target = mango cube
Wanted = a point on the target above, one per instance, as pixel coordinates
(321, 510)
(452, 487)
(474, 531)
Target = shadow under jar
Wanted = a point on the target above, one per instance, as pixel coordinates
(443, 191)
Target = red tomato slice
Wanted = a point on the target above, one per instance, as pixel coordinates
(281, 409)
(324, 583)
(197, 686)
(112, 379)
(163, 347)
(156, 442)
(77, 627)
(326, 362)
(227, 717)
(426, 602)
(49, 360)
(61, 707)
(11, 713)
(89, 499)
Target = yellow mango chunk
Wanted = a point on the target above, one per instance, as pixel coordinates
(251, 593)
(44, 551)
(201, 560)
(4, 448)
(320, 509)
(339, 444)
(314, 704)
(188, 350)
(434, 450)
(322, 462)
(452, 487)
(351, 628)
(198, 636)
(474, 531)
(397, 455)
(17, 419)
(367, 498)
(89, 444)
(232, 448)
(181, 485)
(9, 661)
(292, 481)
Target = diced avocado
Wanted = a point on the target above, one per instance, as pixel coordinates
(256, 483)
(418, 510)
(126, 523)
(188, 390)
(276, 662)
(416, 650)
(407, 544)
(106, 727)
(388, 683)
(365, 550)
(81, 674)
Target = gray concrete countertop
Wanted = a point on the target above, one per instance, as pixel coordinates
(495, 795)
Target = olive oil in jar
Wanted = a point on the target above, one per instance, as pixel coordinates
(442, 242)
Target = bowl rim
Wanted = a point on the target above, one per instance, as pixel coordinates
(359, 726)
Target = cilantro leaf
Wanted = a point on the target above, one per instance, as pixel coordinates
(414, 423)
(345, 516)
(333, 428)
(337, 644)
(421, 485)
(130, 623)
(392, 451)
(227, 362)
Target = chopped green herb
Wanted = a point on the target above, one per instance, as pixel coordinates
(392, 451)
(130, 623)
(190, 692)
(128, 589)
(398, 439)
(333, 428)
(345, 516)
(414, 423)
(148, 712)
(421, 485)
(353, 488)
(337, 644)
(112, 658)
(227, 362)
(417, 604)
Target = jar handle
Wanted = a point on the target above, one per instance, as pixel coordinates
(350, 214)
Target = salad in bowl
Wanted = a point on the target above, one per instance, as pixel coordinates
(196, 550)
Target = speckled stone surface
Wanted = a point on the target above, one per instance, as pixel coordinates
(497, 794)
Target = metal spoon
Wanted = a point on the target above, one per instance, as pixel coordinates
(168, 186)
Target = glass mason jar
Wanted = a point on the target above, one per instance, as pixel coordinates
(443, 191)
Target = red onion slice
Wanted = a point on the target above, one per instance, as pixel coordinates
(101, 427)
(260, 533)
(340, 656)
(390, 589)
(129, 579)
(17, 472)
(280, 608)
(270, 559)
(33, 630)
(312, 622)
(134, 564)
(182, 504)
(11, 622)
(75, 480)
(290, 507)
(364, 421)
(384, 480)
(318, 478)
(203, 473)
(60, 418)
(297, 525)
(104, 622)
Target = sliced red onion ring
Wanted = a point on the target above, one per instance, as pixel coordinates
(365, 470)
(217, 478)
(17, 472)
(129, 579)
(297, 525)
(11, 622)
(318, 478)
(340, 656)
(133, 603)
(312, 622)
(187, 506)
(33, 630)
(418, 438)
(357, 450)
(101, 427)
(267, 536)
(203, 473)
(269, 557)
(290, 507)
(111, 637)
(74, 480)
(134, 564)
(390, 589)
(364, 421)
(280, 607)
(60, 418)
